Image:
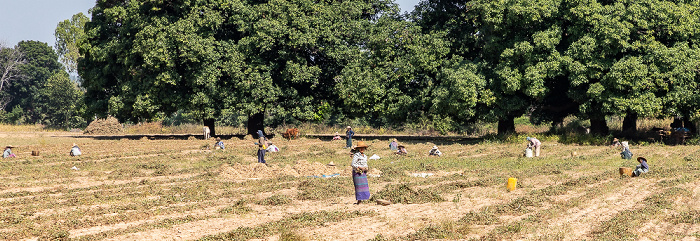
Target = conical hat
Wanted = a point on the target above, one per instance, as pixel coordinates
(361, 144)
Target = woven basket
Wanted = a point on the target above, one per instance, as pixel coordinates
(625, 171)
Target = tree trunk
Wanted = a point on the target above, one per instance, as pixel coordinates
(629, 124)
(506, 125)
(690, 126)
(210, 123)
(255, 123)
(599, 126)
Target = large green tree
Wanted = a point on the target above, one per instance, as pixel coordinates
(69, 34)
(516, 45)
(633, 58)
(150, 57)
(41, 63)
(590, 58)
(60, 101)
(401, 75)
(11, 58)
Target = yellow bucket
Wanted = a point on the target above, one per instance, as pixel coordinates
(512, 182)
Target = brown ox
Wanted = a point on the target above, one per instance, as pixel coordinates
(291, 134)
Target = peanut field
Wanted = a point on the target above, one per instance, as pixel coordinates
(185, 190)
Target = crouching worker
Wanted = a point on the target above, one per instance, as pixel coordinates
(8, 152)
(643, 167)
(75, 150)
(219, 144)
(402, 150)
(435, 152)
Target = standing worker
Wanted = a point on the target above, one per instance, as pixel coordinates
(206, 132)
(359, 172)
(262, 145)
(535, 144)
(349, 134)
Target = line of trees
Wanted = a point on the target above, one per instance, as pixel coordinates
(449, 63)
(36, 89)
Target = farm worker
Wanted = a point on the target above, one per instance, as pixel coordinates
(75, 150)
(206, 132)
(615, 142)
(626, 153)
(8, 152)
(402, 150)
(643, 167)
(435, 152)
(534, 144)
(359, 172)
(219, 144)
(349, 134)
(393, 145)
(262, 145)
(337, 136)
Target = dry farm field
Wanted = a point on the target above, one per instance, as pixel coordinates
(178, 190)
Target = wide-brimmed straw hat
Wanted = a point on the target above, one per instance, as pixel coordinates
(75, 144)
(641, 158)
(361, 144)
(401, 146)
(331, 163)
(9, 146)
(349, 127)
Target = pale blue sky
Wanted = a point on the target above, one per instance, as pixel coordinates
(37, 19)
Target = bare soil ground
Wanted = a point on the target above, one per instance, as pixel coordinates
(178, 190)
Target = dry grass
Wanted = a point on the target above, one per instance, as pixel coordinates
(160, 189)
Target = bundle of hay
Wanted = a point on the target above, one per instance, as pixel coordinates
(306, 168)
(107, 126)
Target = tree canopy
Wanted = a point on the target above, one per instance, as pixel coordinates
(449, 62)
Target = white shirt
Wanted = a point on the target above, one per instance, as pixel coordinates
(359, 160)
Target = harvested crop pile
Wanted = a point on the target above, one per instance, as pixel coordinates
(314, 169)
(259, 170)
(107, 126)
(256, 170)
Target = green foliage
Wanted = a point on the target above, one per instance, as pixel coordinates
(61, 102)
(213, 57)
(42, 63)
(69, 35)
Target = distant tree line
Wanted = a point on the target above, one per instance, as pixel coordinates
(449, 63)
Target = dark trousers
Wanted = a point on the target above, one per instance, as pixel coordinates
(261, 156)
